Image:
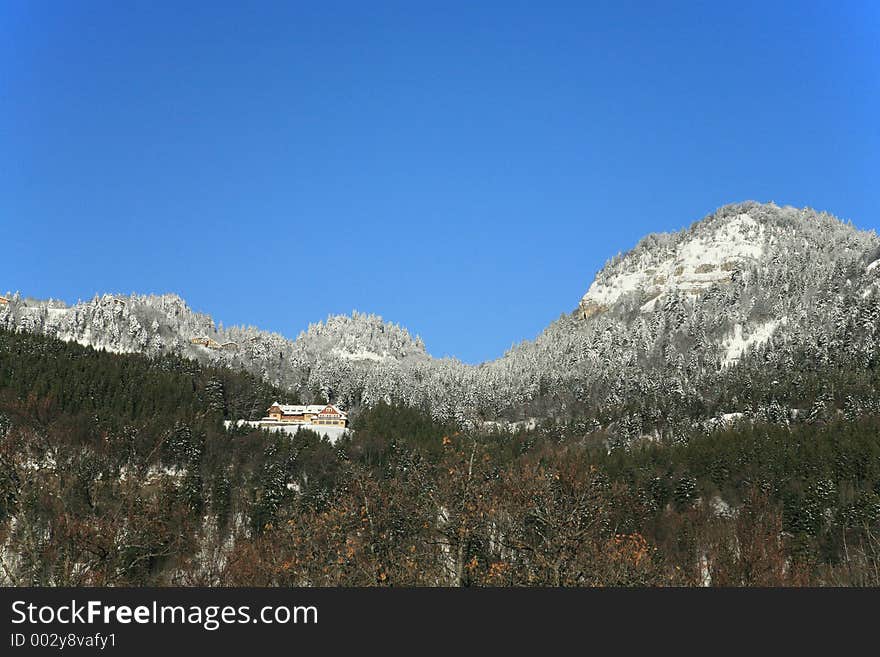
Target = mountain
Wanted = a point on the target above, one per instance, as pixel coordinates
(663, 337)
(740, 357)
(342, 346)
(753, 292)
(711, 252)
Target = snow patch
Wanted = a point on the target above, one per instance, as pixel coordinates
(736, 345)
(723, 421)
(333, 434)
(720, 508)
(529, 424)
(363, 354)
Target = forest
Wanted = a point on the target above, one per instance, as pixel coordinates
(117, 470)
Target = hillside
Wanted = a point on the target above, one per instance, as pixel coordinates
(115, 470)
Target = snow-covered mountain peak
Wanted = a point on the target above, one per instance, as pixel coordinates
(361, 336)
(689, 261)
(735, 238)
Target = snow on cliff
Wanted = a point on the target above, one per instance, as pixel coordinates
(691, 265)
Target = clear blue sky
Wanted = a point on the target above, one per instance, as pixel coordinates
(461, 168)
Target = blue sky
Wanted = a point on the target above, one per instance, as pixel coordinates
(460, 168)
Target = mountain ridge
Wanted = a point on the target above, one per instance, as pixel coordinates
(677, 308)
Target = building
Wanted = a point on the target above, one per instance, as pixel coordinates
(4, 301)
(205, 341)
(328, 415)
